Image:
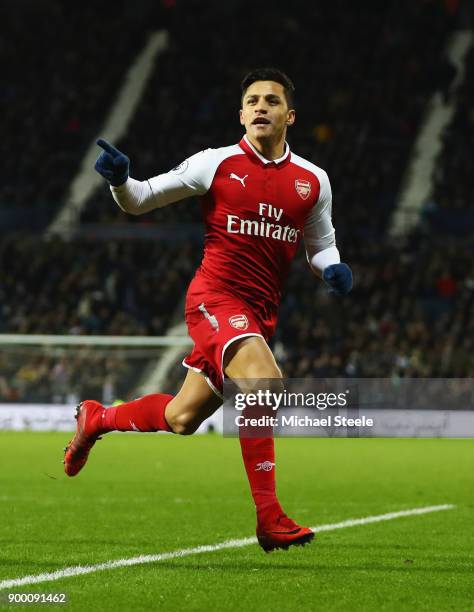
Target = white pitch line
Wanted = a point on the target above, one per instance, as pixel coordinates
(79, 570)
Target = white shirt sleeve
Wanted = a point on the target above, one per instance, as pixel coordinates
(192, 177)
(319, 233)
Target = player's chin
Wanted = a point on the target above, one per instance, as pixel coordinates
(262, 130)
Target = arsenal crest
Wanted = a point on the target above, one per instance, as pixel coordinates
(303, 188)
(239, 321)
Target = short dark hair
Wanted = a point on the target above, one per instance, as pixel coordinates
(271, 74)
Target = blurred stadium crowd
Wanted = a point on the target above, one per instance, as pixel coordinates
(363, 80)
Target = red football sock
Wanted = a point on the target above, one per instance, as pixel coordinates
(259, 460)
(146, 413)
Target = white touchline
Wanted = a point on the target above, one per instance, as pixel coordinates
(185, 552)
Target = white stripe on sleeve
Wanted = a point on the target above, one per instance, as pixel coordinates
(319, 233)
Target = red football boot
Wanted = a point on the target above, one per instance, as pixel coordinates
(89, 420)
(282, 532)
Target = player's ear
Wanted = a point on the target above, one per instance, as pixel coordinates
(241, 117)
(291, 117)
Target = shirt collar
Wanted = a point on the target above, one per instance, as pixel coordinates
(247, 146)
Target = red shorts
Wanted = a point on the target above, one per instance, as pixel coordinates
(215, 319)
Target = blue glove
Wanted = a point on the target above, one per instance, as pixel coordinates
(112, 164)
(338, 278)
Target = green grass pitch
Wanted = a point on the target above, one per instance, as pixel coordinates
(147, 494)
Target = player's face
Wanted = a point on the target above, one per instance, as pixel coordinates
(265, 113)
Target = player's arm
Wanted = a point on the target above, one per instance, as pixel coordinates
(320, 243)
(138, 197)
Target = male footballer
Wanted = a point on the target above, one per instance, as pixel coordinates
(258, 201)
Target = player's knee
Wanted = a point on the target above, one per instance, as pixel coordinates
(262, 379)
(184, 424)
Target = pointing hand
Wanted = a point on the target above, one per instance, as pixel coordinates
(112, 164)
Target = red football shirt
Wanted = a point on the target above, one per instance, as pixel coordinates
(255, 212)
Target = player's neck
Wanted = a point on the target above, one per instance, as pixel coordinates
(270, 149)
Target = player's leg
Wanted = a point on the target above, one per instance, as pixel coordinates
(246, 361)
(181, 414)
(194, 403)
(250, 358)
